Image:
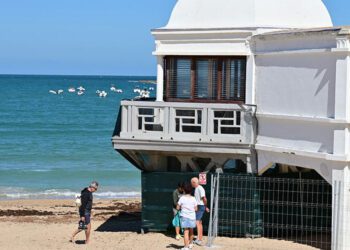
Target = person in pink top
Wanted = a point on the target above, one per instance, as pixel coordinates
(188, 207)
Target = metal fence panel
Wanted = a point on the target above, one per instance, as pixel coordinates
(298, 210)
(293, 209)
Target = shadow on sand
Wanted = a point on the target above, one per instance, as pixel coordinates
(130, 222)
(174, 246)
(79, 242)
(122, 222)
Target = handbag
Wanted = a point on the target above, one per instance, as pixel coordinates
(78, 200)
(176, 220)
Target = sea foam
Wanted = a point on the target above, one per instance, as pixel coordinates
(62, 194)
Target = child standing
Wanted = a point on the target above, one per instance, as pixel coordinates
(188, 207)
(176, 197)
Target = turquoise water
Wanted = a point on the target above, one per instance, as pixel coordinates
(51, 146)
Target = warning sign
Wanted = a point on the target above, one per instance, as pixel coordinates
(202, 179)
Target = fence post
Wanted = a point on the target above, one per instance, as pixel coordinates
(216, 221)
(210, 229)
(214, 200)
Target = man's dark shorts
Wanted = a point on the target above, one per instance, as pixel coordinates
(200, 212)
(87, 218)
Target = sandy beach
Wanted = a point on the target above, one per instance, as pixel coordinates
(48, 224)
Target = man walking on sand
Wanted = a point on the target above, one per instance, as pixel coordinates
(199, 194)
(85, 211)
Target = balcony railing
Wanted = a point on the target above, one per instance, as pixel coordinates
(187, 122)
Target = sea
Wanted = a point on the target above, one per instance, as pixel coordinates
(52, 146)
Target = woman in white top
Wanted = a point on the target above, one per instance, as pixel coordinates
(188, 207)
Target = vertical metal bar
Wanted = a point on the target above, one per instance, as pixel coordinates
(301, 205)
(212, 194)
(229, 206)
(217, 207)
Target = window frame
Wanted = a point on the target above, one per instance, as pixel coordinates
(219, 99)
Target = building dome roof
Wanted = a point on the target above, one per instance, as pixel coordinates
(206, 14)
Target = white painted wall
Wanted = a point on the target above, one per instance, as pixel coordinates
(296, 84)
(296, 135)
(302, 96)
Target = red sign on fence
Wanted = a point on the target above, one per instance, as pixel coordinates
(202, 179)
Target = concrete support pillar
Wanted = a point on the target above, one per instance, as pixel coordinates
(342, 87)
(341, 141)
(252, 167)
(342, 92)
(160, 78)
(341, 209)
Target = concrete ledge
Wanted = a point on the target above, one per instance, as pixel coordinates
(291, 151)
(293, 51)
(302, 118)
(166, 146)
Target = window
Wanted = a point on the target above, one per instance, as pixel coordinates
(205, 79)
(180, 74)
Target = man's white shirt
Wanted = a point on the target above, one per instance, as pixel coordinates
(199, 193)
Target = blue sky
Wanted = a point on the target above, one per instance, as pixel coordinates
(100, 37)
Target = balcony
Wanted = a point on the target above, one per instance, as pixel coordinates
(174, 126)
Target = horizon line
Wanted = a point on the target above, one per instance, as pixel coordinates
(75, 75)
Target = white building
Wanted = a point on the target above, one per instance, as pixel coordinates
(264, 81)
